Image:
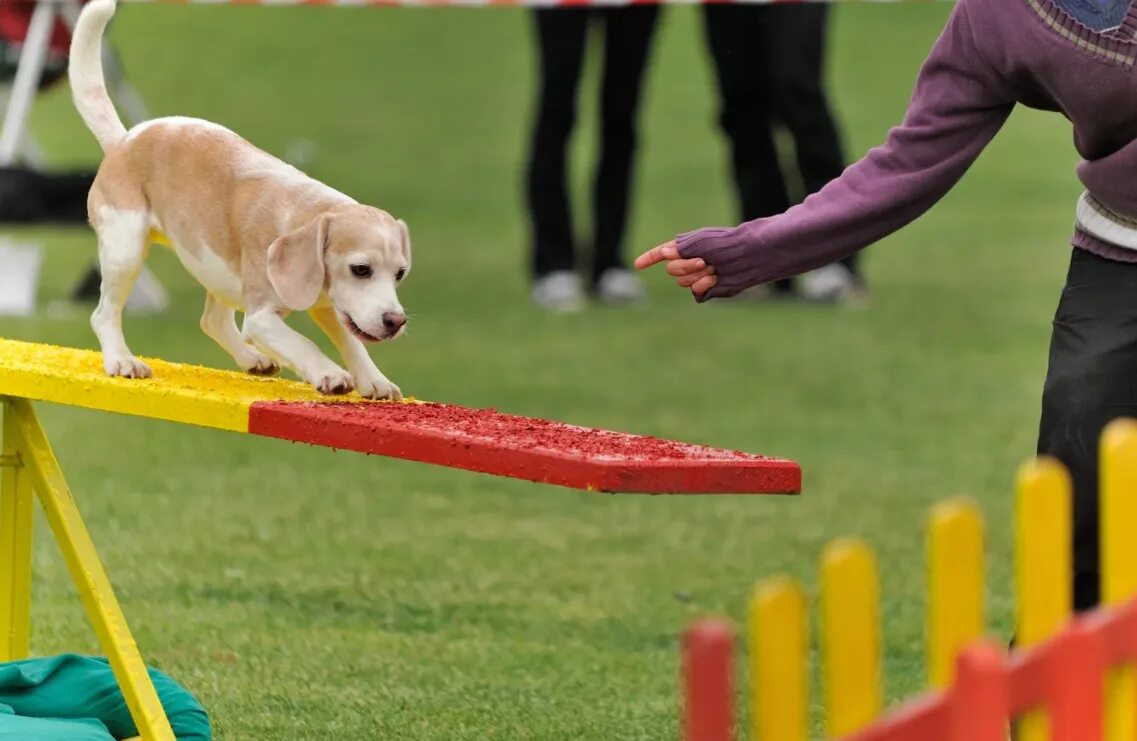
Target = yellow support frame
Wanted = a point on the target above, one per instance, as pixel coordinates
(15, 546)
(28, 464)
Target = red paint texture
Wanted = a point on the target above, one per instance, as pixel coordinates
(490, 442)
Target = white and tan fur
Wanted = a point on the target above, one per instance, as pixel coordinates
(261, 237)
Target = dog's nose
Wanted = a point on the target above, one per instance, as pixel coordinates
(393, 321)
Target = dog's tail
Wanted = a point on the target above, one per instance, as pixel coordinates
(85, 70)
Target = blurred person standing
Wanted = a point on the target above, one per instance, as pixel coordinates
(770, 65)
(561, 39)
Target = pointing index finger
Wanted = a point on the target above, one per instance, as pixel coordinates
(666, 251)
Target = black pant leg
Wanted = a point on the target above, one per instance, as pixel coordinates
(735, 35)
(1091, 380)
(561, 35)
(628, 33)
(795, 37)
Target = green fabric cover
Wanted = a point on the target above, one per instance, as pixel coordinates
(77, 698)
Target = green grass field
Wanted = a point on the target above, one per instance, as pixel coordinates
(308, 594)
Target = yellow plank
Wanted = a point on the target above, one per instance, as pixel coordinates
(956, 607)
(16, 521)
(1042, 565)
(850, 636)
(177, 392)
(90, 578)
(1119, 562)
(779, 665)
(157, 237)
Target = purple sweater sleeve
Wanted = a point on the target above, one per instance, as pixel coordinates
(958, 106)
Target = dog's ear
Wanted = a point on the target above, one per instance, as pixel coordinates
(296, 264)
(406, 242)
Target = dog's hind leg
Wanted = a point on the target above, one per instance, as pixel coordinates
(219, 322)
(122, 249)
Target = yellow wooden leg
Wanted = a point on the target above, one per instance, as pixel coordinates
(850, 636)
(15, 544)
(1119, 564)
(90, 578)
(1042, 567)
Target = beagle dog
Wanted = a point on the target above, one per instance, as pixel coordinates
(262, 238)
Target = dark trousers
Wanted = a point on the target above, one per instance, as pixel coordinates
(770, 65)
(1091, 380)
(561, 36)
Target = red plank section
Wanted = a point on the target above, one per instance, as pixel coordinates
(1118, 626)
(979, 705)
(925, 718)
(1027, 687)
(1075, 683)
(488, 441)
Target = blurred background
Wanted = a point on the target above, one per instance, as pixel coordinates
(302, 593)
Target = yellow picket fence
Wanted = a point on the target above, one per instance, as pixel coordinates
(1037, 686)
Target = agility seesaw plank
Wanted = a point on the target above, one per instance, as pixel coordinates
(481, 440)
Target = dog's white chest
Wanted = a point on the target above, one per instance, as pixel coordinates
(214, 274)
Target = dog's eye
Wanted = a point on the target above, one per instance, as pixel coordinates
(361, 271)
(402, 273)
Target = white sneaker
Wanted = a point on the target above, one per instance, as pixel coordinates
(148, 296)
(558, 291)
(832, 283)
(19, 277)
(620, 286)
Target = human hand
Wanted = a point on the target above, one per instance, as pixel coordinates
(693, 273)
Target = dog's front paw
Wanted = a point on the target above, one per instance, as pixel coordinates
(335, 381)
(378, 388)
(259, 365)
(126, 366)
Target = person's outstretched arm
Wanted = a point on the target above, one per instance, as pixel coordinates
(959, 104)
